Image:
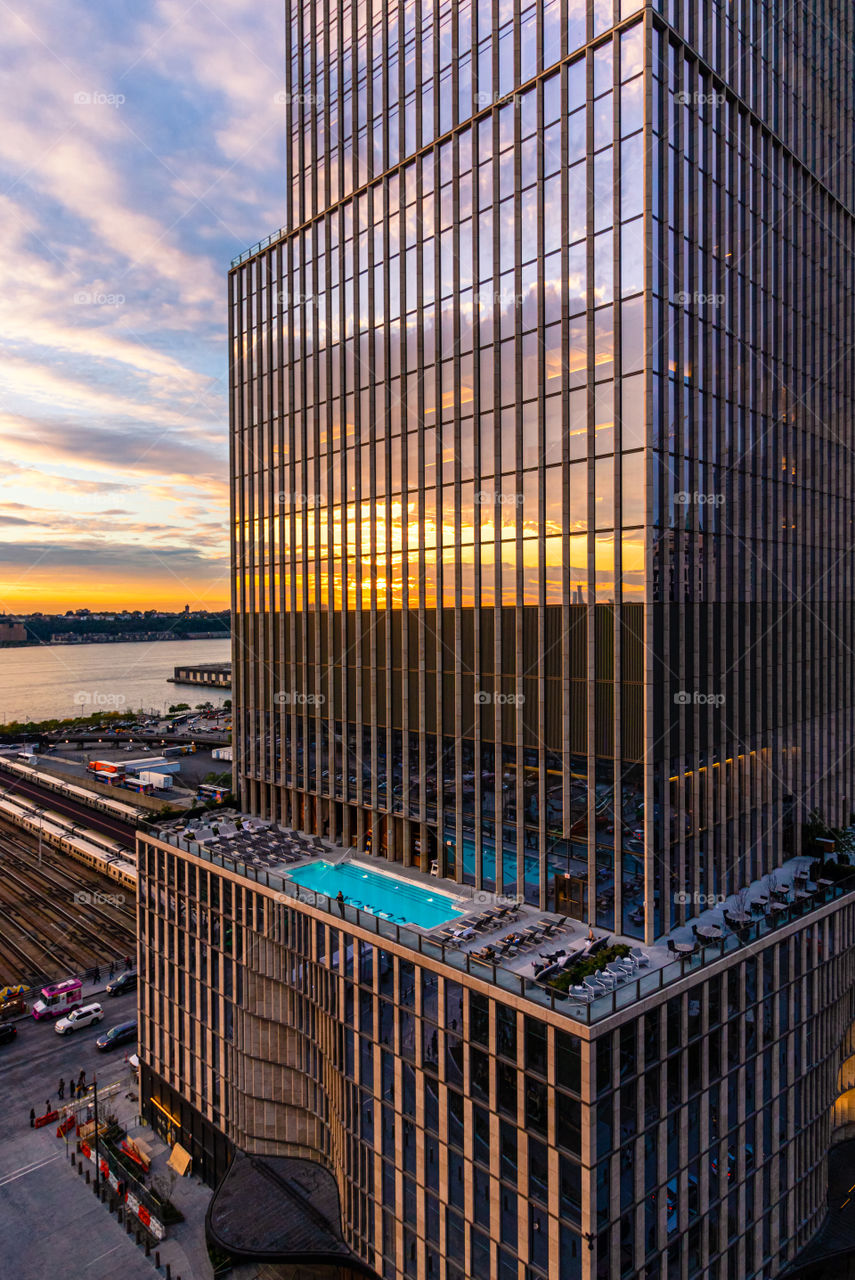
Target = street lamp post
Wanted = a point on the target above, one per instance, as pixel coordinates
(97, 1153)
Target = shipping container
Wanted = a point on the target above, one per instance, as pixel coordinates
(160, 781)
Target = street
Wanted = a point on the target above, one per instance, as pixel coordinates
(50, 1222)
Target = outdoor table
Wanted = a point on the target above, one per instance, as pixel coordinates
(779, 906)
(826, 884)
(708, 931)
(684, 948)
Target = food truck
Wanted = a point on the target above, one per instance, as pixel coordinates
(58, 998)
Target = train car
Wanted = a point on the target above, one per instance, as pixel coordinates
(104, 804)
(99, 852)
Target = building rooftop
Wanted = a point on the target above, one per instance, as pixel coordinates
(509, 943)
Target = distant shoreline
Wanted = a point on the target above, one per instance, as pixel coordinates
(145, 638)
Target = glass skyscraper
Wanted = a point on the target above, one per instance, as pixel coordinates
(542, 407)
(541, 402)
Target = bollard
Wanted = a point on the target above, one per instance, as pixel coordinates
(139, 1235)
(147, 1247)
(168, 1272)
(87, 1177)
(157, 1259)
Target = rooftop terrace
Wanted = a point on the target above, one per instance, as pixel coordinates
(507, 943)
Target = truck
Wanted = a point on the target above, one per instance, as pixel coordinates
(209, 791)
(133, 783)
(57, 999)
(160, 781)
(104, 766)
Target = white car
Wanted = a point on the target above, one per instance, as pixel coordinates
(82, 1017)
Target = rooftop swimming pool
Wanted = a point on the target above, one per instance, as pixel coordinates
(382, 895)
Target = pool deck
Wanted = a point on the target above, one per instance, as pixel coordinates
(267, 849)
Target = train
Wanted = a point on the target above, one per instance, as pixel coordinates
(59, 831)
(124, 812)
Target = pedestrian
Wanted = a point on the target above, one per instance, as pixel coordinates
(128, 962)
(339, 897)
(112, 968)
(61, 1089)
(81, 1081)
(96, 977)
(72, 1089)
(48, 1107)
(32, 1117)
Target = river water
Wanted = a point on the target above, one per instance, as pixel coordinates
(54, 681)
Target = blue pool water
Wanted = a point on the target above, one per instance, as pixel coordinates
(382, 895)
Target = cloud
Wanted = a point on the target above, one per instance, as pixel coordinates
(140, 152)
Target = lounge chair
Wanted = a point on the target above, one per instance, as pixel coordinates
(617, 972)
(641, 958)
(594, 986)
(582, 993)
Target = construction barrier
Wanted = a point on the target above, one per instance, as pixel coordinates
(47, 1118)
(133, 1203)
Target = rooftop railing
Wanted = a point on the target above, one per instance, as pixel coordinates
(256, 248)
(602, 1006)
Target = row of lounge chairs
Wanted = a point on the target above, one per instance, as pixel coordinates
(470, 926)
(266, 846)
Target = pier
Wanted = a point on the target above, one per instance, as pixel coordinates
(213, 675)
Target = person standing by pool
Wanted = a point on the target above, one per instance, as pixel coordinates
(339, 897)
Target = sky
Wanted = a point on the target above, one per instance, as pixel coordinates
(141, 149)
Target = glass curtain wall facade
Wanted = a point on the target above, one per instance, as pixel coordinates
(542, 505)
(439, 446)
(752, 309)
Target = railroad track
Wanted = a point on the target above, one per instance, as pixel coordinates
(51, 872)
(32, 956)
(21, 968)
(41, 939)
(119, 831)
(69, 918)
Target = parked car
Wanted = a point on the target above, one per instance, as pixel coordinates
(126, 981)
(124, 1033)
(85, 1016)
(7, 1033)
(12, 1009)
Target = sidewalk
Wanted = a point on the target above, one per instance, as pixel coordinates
(184, 1247)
